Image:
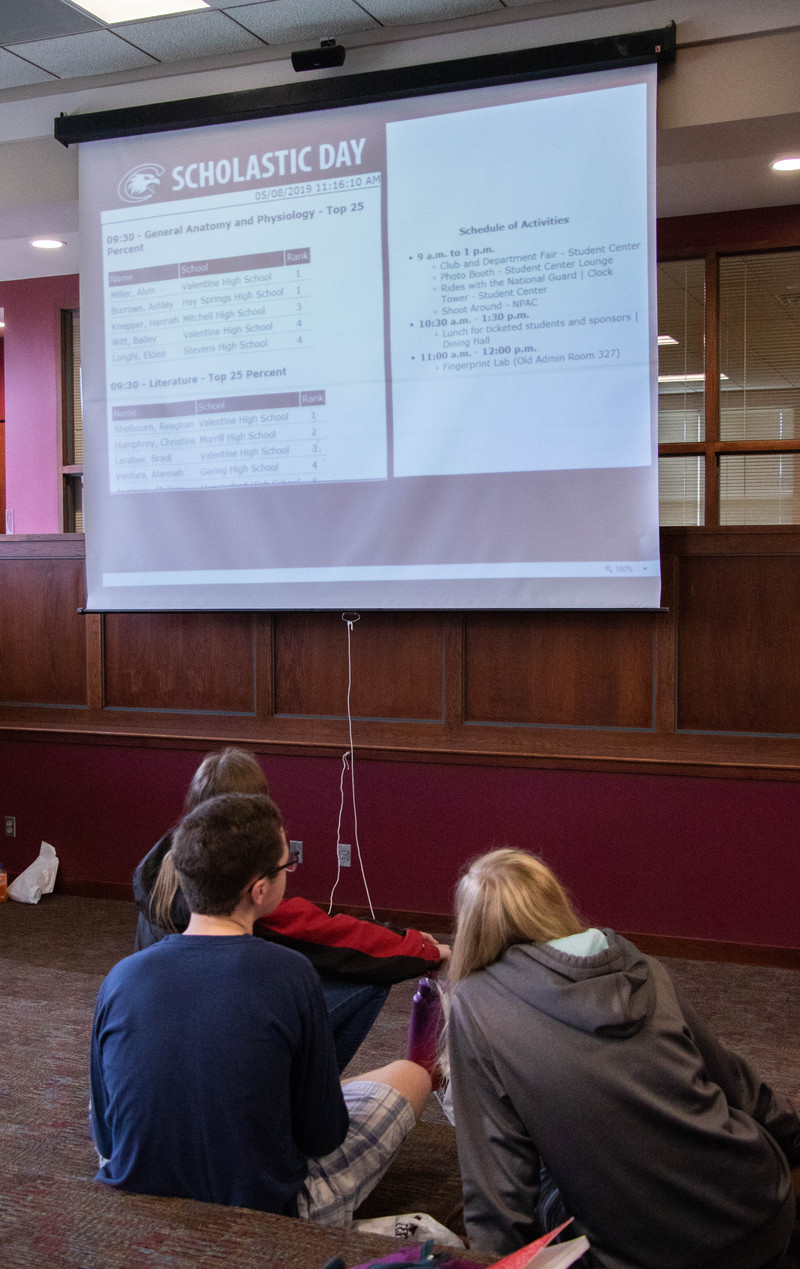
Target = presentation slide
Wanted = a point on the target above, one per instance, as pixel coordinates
(398, 355)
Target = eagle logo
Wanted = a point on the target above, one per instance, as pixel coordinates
(140, 183)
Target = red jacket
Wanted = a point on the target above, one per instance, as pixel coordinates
(339, 946)
(346, 947)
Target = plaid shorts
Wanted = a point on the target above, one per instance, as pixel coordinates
(380, 1120)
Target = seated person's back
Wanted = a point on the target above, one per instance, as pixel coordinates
(213, 1068)
(218, 1072)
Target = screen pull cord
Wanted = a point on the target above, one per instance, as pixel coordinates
(348, 765)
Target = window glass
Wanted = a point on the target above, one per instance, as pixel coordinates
(73, 504)
(77, 412)
(759, 332)
(72, 421)
(73, 416)
(758, 489)
(681, 351)
(682, 490)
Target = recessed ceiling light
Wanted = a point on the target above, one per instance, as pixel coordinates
(666, 339)
(130, 10)
(47, 244)
(789, 164)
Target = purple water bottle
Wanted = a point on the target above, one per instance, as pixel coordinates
(425, 1027)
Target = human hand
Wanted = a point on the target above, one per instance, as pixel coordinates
(443, 948)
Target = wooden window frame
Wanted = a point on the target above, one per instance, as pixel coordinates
(712, 237)
(71, 472)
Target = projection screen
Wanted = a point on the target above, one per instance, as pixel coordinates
(394, 355)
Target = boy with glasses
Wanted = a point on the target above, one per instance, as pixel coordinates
(213, 1067)
(357, 960)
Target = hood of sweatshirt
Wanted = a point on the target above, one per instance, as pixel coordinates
(610, 994)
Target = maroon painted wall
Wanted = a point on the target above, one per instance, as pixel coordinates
(32, 398)
(686, 857)
(2, 440)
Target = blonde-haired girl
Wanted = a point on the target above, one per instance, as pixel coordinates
(162, 907)
(580, 1077)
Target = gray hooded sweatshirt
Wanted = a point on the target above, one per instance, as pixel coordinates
(667, 1149)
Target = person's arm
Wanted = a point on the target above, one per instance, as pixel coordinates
(319, 1115)
(345, 947)
(743, 1089)
(98, 1105)
(499, 1162)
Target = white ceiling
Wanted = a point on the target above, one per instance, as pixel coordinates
(46, 40)
(735, 108)
(42, 40)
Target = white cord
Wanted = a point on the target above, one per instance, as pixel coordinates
(348, 764)
(339, 831)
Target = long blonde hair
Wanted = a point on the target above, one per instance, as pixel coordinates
(228, 770)
(506, 897)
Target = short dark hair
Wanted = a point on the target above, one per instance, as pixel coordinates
(223, 845)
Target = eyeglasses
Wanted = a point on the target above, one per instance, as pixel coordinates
(289, 866)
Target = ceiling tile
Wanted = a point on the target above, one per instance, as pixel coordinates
(302, 21)
(189, 35)
(40, 20)
(410, 12)
(97, 53)
(14, 72)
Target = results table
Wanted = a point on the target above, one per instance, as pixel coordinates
(230, 367)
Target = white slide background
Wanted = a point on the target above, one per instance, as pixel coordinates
(562, 379)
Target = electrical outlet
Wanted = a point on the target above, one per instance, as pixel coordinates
(11, 826)
(344, 855)
(296, 848)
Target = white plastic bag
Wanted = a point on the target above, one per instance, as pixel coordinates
(37, 879)
(410, 1225)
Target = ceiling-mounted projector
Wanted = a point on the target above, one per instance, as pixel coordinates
(328, 54)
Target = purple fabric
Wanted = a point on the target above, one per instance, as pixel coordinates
(411, 1255)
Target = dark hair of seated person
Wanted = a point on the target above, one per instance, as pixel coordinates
(224, 845)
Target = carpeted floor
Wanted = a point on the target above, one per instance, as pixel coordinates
(52, 960)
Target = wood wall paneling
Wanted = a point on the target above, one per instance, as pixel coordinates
(397, 660)
(739, 633)
(42, 635)
(180, 661)
(561, 669)
(691, 690)
(754, 229)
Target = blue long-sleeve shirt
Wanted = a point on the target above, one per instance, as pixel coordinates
(213, 1072)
